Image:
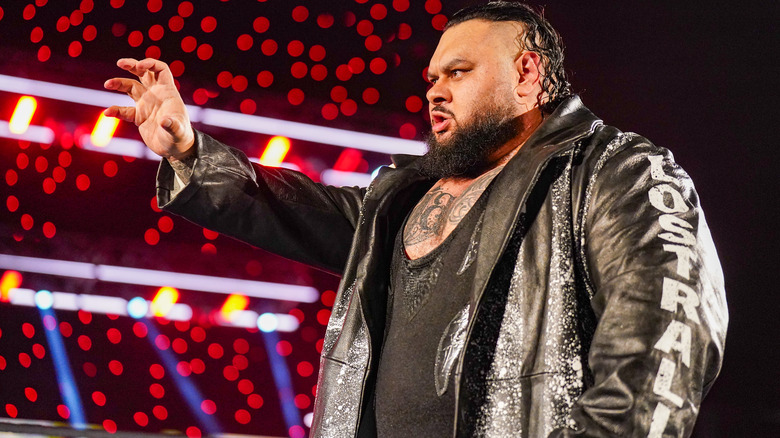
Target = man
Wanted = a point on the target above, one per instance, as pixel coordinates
(537, 273)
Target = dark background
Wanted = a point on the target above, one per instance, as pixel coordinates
(699, 79)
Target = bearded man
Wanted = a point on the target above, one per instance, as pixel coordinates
(536, 273)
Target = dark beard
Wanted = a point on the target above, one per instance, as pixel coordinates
(466, 154)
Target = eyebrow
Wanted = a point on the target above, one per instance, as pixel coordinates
(448, 66)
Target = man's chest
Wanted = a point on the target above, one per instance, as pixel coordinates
(440, 211)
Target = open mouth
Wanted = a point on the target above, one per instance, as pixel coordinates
(439, 122)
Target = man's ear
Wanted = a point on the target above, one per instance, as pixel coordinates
(529, 67)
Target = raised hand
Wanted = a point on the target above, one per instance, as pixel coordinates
(159, 111)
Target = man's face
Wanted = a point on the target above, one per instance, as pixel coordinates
(472, 101)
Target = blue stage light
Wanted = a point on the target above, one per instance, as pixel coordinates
(267, 322)
(137, 307)
(44, 299)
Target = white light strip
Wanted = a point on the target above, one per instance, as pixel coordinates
(148, 277)
(223, 119)
(37, 134)
(120, 146)
(340, 178)
(312, 133)
(93, 304)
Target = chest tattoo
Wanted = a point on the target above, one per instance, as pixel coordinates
(442, 208)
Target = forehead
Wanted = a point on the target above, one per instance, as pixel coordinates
(476, 39)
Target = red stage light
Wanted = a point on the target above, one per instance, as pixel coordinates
(233, 303)
(10, 280)
(22, 115)
(348, 160)
(164, 300)
(104, 130)
(275, 151)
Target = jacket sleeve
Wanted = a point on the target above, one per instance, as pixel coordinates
(275, 209)
(657, 292)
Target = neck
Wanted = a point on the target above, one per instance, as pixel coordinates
(528, 123)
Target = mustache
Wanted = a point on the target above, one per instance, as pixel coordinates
(441, 109)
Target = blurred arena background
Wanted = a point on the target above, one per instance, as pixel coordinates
(119, 319)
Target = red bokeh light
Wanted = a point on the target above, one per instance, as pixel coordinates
(365, 27)
(66, 329)
(64, 158)
(378, 66)
(27, 221)
(82, 182)
(12, 203)
(63, 24)
(189, 43)
(356, 65)
(433, 6)
(298, 70)
(240, 83)
(115, 367)
(328, 297)
(343, 73)
(90, 369)
(162, 342)
(330, 111)
(242, 416)
(295, 96)
(24, 360)
(49, 230)
(38, 351)
(400, 5)
(157, 371)
(216, 351)
(407, 131)
(156, 32)
(31, 394)
(136, 38)
(284, 348)
(58, 173)
(85, 342)
(269, 47)
(317, 53)
(140, 330)
(208, 248)
(261, 24)
(114, 335)
(184, 368)
(160, 412)
(404, 31)
(141, 419)
(414, 104)
(305, 369)
(165, 224)
(185, 9)
(36, 35)
(193, 432)
(49, 185)
(296, 432)
(298, 314)
(198, 334)
(179, 345)
(208, 406)
(378, 11)
(230, 373)
(373, 43)
(302, 401)
(245, 42)
(110, 168)
(156, 390)
(205, 51)
(152, 236)
(109, 426)
(99, 398)
(198, 366)
(175, 23)
(255, 401)
(22, 161)
(265, 79)
(439, 21)
(63, 411)
(323, 316)
(338, 93)
(300, 14)
(245, 386)
(348, 107)
(44, 53)
(295, 48)
(208, 24)
(41, 164)
(325, 20)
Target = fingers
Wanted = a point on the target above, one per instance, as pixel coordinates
(126, 113)
(132, 87)
(142, 67)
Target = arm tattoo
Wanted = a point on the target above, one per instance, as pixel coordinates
(426, 220)
(183, 167)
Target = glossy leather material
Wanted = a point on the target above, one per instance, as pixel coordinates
(597, 308)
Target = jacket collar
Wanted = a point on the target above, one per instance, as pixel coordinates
(559, 132)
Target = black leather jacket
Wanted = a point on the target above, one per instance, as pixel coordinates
(597, 308)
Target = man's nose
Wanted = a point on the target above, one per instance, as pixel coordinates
(438, 93)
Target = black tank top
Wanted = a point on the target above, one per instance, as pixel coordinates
(425, 295)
